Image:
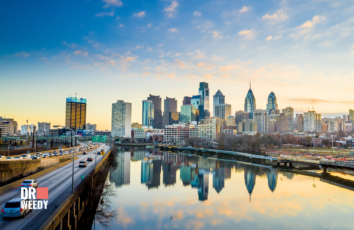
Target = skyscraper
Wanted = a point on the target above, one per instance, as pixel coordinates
(272, 102)
(240, 115)
(187, 100)
(187, 113)
(43, 128)
(218, 99)
(260, 116)
(170, 111)
(222, 111)
(157, 111)
(121, 119)
(75, 115)
(148, 113)
(204, 110)
(289, 113)
(250, 102)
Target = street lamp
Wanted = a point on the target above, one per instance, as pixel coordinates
(65, 127)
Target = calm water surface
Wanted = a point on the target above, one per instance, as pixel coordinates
(179, 191)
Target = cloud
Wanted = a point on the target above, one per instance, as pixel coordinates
(197, 13)
(139, 15)
(80, 52)
(172, 30)
(248, 34)
(146, 74)
(22, 54)
(315, 20)
(317, 101)
(159, 45)
(170, 10)
(138, 47)
(197, 55)
(244, 9)
(112, 63)
(216, 34)
(277, 17)
(121, 25)
(181, 64)
(130, 58)
(104, 14)
(113, 3)
(273, 38)
(205, 66)
(149, 25)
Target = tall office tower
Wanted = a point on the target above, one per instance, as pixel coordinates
(8, 126)
(281, 123)
(75, 116)
(148, 113)
(170, 111)
(121, 119)
(260, 116)
(187, 113)
(247, 126)
(218, 99)
(272, 102)
(204, 110)
(43, 128)
(187, 100)
(300, 123)
(222, 111)
(241, 115)
(319, 124)
(351, 115)
(310, 121)
(250, 102)
(91, 126)
(289, 113)
(157, 111)
(195, 101)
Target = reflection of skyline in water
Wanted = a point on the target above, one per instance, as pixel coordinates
(194, 172)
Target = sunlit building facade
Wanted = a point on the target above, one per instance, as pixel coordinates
(148, 114)
(271, 103)
(75, 116)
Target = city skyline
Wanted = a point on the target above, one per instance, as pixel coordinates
(301, 51)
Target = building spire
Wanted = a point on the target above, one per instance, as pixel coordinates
(250, 85)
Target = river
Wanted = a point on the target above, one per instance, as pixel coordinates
(150, 189)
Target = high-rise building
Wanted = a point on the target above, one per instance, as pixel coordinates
(148, 113)
(241, 115)
(209, 128)
(218, 99)
(351, 115)
(260, 116)
(8, 126)
(289, 113)
(91, 126)
(300, 123)
(204, 110)
(25, 130)
(272, 120)
(136, 125)
(222, 111)
(121, 119)
(187, 100)
(250, 103)
(272, 102)
(75, 115)
(43, 128)
(157, 111)
(312, 121)
(187, 113)
(170, 111)
(196, 101)
(281, 123)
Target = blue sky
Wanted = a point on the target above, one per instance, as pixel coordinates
(110, 50)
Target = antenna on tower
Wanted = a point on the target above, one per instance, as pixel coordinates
(250, 85)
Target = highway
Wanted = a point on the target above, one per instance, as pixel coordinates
(59, 183)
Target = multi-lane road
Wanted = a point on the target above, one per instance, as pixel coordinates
(59, 183)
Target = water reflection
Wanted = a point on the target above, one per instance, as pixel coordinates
(201, 193)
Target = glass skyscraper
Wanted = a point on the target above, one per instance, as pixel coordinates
(250, 103)
(121, 119)
(75, 116)
(148, 114)
(218, 99)
(187, 113)
(272, 103)
(204, 110)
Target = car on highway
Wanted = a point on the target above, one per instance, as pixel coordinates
(13, 208)
(89, 159)
(34, 158)
(51, 155)
(66, 153)
(82, 164)
(2, 158)
(26, 156)
(84, 153)
(56, 154)
(9, 158)
(30, 183)
(45, 156)
(18, 158)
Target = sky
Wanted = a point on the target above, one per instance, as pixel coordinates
(109, 50)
